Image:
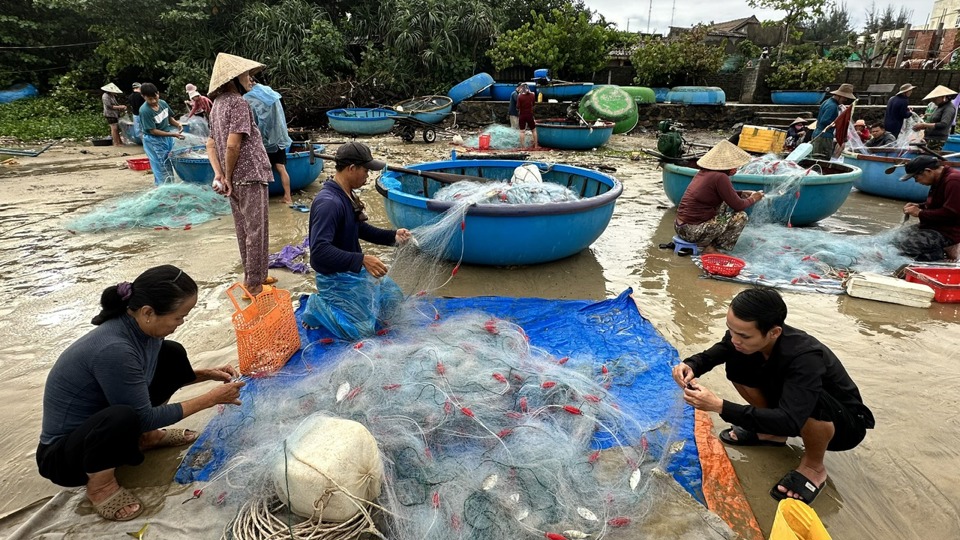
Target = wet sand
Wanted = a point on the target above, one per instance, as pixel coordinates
(897, 485)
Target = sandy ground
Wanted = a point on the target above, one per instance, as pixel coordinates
(899, 484)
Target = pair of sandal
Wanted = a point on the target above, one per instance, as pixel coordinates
(792, 481)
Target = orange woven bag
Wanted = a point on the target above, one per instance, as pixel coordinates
(267, 333)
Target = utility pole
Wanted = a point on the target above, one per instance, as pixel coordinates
(649, 14)
(673, 11)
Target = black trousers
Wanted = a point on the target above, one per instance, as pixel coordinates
(111, 437)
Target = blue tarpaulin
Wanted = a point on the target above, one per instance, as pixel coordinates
(611, 331)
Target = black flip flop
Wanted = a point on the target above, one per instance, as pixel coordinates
(797, 483)
(746, 438)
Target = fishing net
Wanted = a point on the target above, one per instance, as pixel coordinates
(803, 257)
(167, 206)
(501, 138)
(481, 434)
(506, 193)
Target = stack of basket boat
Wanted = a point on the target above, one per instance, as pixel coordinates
(610, 103)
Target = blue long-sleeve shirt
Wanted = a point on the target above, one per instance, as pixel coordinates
(335, 232)
(113, 364)
(829, 111)
(898, 110)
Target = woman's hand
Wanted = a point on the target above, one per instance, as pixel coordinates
(221, 185)
(226, 394)
(224, 374)
(403, 236)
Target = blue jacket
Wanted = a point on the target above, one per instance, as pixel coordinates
(269, 116)
(829, 111)
(898, 110)
(335, 232)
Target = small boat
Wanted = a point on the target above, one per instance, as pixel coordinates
(660, 94)
(565, 91)
(470, 87)
(697, 95)
(611, 103)
(303, 169)
(507, 234)
(642, 94)
(819, 196)
(502, 91)
(566, 134)
(875, 179)
(796, 97)
(953, 145)
(427, 109)
(361, 121)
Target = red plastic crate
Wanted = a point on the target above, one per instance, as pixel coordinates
(138, 164)
(945, 282)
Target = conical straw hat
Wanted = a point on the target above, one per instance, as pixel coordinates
(229, 66)
(723, 157)
(798, 120)
(112, 88)
(939, 91)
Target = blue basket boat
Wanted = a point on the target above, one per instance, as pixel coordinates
(502, 91)
(565, 91)
(697, 95)
(952, 145)
(302, 170)
(876, 181)
(820, 196)
(361, 121)
(470, 87)
(502, 234)
(796, 97)
(660, 94)
(564, 134)
(427, 109)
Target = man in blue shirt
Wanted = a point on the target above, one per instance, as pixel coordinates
(349, 283)
(512, 111)
(898, 110)
(823, 137)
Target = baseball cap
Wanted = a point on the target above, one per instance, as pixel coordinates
(135, 85)
(356, 153)
(917, 165)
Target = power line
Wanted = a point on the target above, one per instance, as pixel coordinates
(51, 46)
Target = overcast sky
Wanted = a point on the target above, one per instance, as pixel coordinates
(686, 13)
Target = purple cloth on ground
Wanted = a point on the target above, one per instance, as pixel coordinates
(291, 257)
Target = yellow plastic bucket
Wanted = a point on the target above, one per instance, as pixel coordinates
(797, 521)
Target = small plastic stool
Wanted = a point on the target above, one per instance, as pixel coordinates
(680, 243)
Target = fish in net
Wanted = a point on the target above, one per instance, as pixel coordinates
(481, 435)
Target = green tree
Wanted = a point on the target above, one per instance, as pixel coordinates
(878, 21)
(572, 43)
(832, 27)
(685, 60)
(798, 12)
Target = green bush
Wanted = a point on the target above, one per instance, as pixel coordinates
(813, 75)
(43, 118)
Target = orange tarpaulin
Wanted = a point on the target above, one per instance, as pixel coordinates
(721, 488)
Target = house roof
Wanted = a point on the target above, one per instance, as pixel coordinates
(734, 26)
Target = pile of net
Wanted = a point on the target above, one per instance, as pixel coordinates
(501, 138)
(170, 205)
(481, 435)
(806, 258)
(506, 193)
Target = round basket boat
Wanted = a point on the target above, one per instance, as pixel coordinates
(470, 87)
(507, 234)
(796, 97)
(641, 94)
(875, 179)
(565, 91)
(564, 134)
(361, 121)
(953, 145)
(697, 95)
(610, 103)
(302, 170)
(819, 196)
(427, 109)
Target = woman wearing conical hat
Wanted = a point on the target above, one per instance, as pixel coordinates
(797, 133)
(711, 212)
(112, 109)
(937, 126)
(240, 165)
